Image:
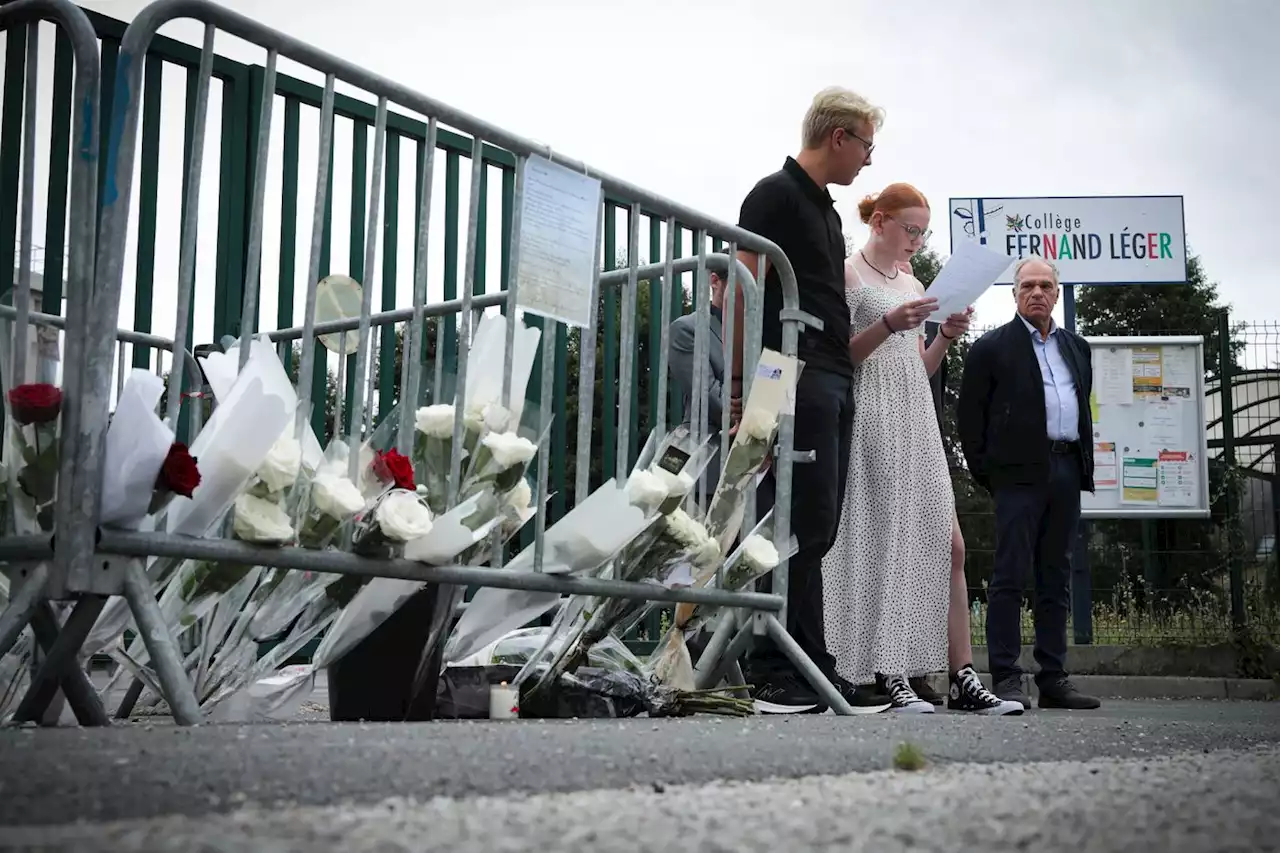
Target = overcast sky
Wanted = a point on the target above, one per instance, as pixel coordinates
(698, 100)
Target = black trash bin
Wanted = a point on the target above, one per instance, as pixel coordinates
(374, 681)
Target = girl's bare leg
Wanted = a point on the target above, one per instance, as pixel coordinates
(959, 642)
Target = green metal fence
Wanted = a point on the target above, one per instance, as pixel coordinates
(1153, 581)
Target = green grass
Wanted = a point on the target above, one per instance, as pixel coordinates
(908, 757)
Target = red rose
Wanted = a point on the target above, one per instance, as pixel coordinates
(179, 473)
(37, 403)
(395, 466)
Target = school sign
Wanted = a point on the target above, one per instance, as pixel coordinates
(1099, 240)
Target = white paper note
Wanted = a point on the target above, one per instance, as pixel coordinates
(1162, 426)
(1113, 375)
(559, 227)
(1180, 369)
(966, 276)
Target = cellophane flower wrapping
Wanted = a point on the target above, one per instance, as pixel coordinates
(582, 543)
(674, 542)
(756, 556)
(772, 394)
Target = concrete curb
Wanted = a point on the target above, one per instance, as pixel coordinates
(1153, 687)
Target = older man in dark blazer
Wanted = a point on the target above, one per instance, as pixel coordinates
(680, 364)
(1027, 436)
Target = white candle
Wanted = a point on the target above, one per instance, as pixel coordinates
(504, 702)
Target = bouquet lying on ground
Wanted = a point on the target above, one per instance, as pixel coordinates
(610, 682)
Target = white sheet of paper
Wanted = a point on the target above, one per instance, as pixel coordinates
(1162, 425)
(966, 276)
(1180, 368)
(1113, 375)
(559, 224)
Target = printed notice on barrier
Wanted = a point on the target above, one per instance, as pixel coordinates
(1178, 483)
(559, 227)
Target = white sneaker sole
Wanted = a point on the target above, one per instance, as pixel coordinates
(920, 707)
(763, 707)
(1004, 709)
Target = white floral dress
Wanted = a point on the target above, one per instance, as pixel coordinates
(886, 581)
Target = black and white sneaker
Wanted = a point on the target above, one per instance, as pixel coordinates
(902, 698)
(864, 698)
(970, 695)
(783, 692)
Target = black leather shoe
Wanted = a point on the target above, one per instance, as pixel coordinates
(1009, 688)
(920, 685)
(1062, 694)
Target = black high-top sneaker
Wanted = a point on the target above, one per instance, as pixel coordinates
(970, 695)
(903, 698)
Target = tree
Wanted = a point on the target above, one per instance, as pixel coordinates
(1180, 559)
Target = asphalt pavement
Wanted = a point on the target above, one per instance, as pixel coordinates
(144, 771)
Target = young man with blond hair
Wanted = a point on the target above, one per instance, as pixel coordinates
(793, 209)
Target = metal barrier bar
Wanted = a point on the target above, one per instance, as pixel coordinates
(70, 513)
(123, 139)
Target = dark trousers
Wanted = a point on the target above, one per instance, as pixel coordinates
(824, 424)
(1036, 530)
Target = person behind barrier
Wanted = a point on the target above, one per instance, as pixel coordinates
(793, 208)
(889, 576)
(1026, 432)
(680, 364)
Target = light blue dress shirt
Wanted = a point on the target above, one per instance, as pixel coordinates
(1061, 408)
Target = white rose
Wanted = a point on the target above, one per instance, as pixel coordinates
(435, 421)
(509, 449)
(487, 417)
(403, 517)
(646, 490)
(279, 470)
(760, 553)
(677, 485)
(335, 496)
(261, 521)
(758, 424)
(519, 497)
(703, 550)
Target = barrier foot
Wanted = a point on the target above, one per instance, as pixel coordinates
(177, 688)
(130, 699)
(61, 667)
(817, 680)
(17, 615)
(709, 660)
(734, 677)
(711, 676)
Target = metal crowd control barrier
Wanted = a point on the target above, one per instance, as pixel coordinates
(99, 562)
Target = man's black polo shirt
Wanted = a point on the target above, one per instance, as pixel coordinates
(788, 208)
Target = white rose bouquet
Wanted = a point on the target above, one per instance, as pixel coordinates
(746, 458)
(675, 540)
(758, 555)
(432, 450)
(399, 517)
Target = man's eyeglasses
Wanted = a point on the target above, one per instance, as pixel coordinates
(914, 231)
(870, 146)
